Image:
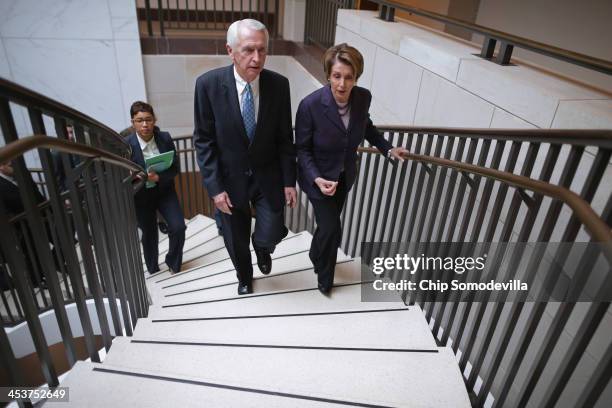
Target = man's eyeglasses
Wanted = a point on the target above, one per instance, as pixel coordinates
(139, 121)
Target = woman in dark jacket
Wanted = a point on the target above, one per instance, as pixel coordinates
(147, 141)
(330, 125)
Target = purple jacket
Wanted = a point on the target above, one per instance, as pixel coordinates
(325, 147)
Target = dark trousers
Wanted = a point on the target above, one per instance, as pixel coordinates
(146, 212)
(327, 236)
(269, 230)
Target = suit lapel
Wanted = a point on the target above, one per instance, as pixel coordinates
(231, 98)
(331, 109)
(138, 156)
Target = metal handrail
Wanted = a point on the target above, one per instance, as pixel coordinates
(598, 229)
(27, 97)
(19, 147)
(583, 60)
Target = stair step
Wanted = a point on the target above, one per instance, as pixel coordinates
(101, 385)
(218, 261)
(214, 275)
(390, 378)
(347, 272)
(307, 301)
(403, 328)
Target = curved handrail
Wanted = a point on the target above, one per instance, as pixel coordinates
(19, 147)
(598, 229)
(27, 97)
(583, 60)
(586, 137)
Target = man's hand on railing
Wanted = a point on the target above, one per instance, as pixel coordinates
(398, 153)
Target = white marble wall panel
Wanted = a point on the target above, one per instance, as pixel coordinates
(164, 73)
(294, 19)
(505, 120)
(437, 54)
(196, 65)
(122, 8)
(442, 103)
(5, 69)
(367, 49)
(171, 79)
(85, 54)
(173, 110)
(129, 67)
(64, 19)
(70, 78)
(125, 28)
(526, 92)
(381, 115)
(593, 114)
(396, 83)
(351, 19)
(386, 34)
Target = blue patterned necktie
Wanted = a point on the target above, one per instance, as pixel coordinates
(248, 111)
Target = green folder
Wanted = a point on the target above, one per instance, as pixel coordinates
(158, 163)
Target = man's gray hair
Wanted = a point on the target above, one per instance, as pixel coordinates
(234, 30)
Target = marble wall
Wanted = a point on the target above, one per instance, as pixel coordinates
(170, 81)
(440, 82)
(85, 54)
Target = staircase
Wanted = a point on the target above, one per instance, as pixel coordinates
(286, 345)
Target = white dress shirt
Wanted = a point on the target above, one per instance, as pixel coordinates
(240, 87)
(149, 149)
(8, 178)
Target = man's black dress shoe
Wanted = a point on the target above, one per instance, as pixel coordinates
(163, 227)
(324, 289)
(244, 289)
(264, 261)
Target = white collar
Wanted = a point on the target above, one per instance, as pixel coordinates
(8, 178)
(143, 144)
(241, 84)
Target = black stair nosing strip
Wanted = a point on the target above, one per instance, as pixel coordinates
(201, 243)
(343, 312)
(220, 272)
(261, 295)
(281, 346)
(237, 388)
(255, 279)
(178, 275)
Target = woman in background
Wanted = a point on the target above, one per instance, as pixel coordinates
(330, 125)
(147, 141)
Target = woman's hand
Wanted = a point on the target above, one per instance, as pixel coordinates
(153, 176)
(398, 153)
(327, 187)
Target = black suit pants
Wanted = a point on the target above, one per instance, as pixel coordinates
(146, 212)
(269, 230)
(327, 236)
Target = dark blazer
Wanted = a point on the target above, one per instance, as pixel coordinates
(9, 193)
(224, 153)
(325, 147)
(166, 178)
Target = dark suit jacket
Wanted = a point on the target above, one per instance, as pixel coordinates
(223, 151)
(166, 178)
(9, 193)
(325, 147)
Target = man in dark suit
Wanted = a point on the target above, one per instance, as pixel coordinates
(245, 149)
(146, 141)
(11, 199)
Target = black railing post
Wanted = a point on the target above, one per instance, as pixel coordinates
(505, 53)
(160, 17)
(488, 47)
(148, 17)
